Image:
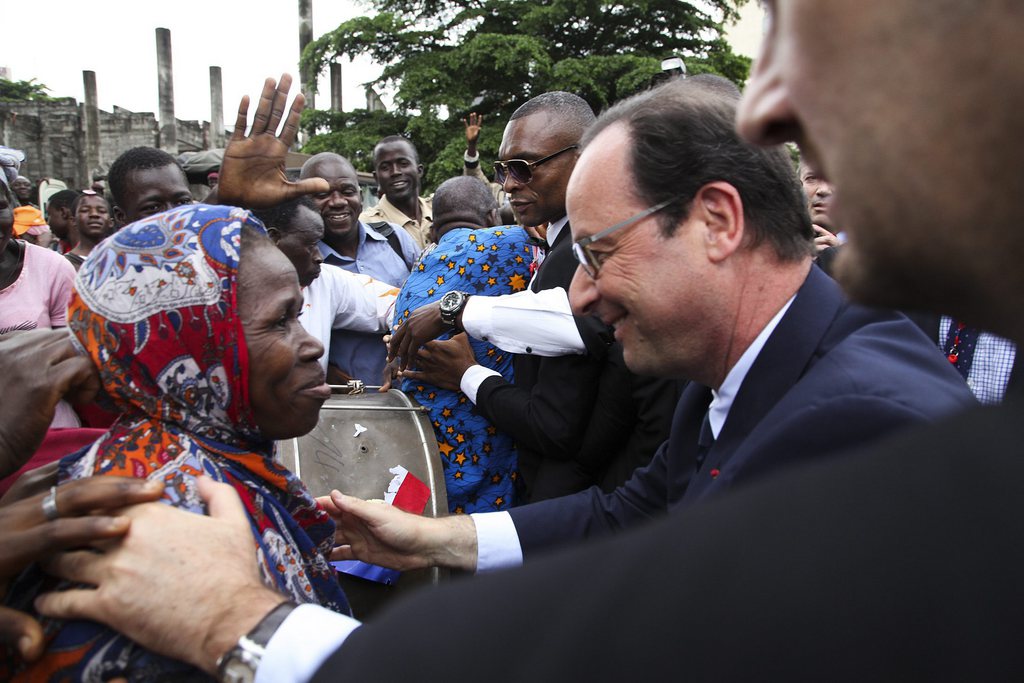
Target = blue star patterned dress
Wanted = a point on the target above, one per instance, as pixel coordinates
(480, 463)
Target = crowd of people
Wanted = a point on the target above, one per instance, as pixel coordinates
(684, 449)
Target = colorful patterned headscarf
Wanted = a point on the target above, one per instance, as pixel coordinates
(156, 308)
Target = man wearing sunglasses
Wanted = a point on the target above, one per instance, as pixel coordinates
(577, 419)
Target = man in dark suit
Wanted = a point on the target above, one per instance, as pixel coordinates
(557, 405)
(790, 373)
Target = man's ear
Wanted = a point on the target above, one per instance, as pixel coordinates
(274, 234)
(719, 208)
(119, 215)
(419, 170)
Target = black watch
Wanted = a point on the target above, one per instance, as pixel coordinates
(451, 305)
(239, 664)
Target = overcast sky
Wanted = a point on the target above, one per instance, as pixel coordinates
(54, 41)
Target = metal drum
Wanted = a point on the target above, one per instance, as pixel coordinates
(359, 437)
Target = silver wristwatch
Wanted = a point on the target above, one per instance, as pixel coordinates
(239, 664)
(451, 305)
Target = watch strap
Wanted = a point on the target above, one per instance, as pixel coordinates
(250, 647)
(450, 316)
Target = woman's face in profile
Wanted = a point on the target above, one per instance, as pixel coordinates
(286, 383)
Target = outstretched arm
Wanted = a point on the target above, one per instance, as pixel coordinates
(387, 536)
(252, 174)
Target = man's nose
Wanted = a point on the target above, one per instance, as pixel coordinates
(510, 183)
(583, 294)
(766, 115)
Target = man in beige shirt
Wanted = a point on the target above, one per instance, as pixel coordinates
(397, 169)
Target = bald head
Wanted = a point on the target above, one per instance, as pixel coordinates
(326, 163)
(463, 201)
(571, 111)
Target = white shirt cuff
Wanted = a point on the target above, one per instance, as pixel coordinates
(302, 643)
(473, 378)
(540, 323)
(497, 543)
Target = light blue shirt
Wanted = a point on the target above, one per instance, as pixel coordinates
(359, 354)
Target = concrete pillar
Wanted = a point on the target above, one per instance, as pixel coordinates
(307, 81)
(216, 108)
(92, 125)
(373, 101)
(336, 86)
(165, 79)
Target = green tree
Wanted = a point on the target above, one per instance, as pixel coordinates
(445, 58)
(23, 91)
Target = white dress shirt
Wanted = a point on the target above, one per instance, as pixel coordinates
(540, 323)
(340, 300)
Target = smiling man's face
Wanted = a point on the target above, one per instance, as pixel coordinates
(397, 170)
(341, 205)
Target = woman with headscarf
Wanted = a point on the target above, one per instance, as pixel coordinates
(207, 363)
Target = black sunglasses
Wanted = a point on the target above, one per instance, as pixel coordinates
(520, 169)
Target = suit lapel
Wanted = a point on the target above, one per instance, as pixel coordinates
(558, 266)
(782, 362)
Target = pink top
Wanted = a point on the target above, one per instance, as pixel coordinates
(39, 297)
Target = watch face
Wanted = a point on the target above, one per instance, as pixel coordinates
(450, 300)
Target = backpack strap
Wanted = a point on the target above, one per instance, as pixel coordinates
(387, 231)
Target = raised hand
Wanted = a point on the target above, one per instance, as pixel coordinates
(473, 122)
(252, 174)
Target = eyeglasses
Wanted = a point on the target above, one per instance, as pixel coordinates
(588, 259)
(520, 169)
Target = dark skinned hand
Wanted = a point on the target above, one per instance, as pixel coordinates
(389, 375)
(423, 325)
(39, 368)
(252, 174)
(473, 123)
(443, 363)
(26, 536)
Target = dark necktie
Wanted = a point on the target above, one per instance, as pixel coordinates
(705, 440)
(960, 343)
